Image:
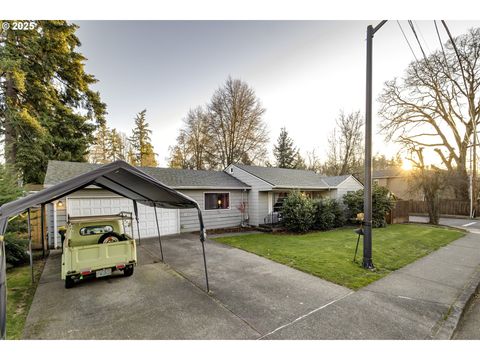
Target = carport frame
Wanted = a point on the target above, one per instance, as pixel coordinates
(164, 197)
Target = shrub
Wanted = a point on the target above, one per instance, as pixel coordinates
(324, 216)
(329, 214)
(15, 250)
(382, 203)
(298, 212)
(338, 211)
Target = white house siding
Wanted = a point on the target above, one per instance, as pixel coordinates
(213, 219)
(263, 200)
(255, 214)
(349, 184)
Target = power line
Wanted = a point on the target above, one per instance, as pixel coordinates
(406, 39)
(423, 38)
(410, 22)
(440, 41)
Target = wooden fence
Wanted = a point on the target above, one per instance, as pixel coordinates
(447, 207)
(399, 213)
(36, 229)
(404, 208)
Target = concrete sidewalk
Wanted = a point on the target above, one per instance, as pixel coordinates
(423, 300)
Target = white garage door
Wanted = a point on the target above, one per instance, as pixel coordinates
(168, 218)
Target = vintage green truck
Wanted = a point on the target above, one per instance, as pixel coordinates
(96, 246)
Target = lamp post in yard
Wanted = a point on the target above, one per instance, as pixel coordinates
(367, 262)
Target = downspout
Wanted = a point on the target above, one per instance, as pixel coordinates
(203, 237)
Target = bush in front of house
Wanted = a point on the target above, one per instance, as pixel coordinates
(382, 203)
(324, 216)
(298, 212)
(329, 214)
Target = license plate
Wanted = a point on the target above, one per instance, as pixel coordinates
(103, 272)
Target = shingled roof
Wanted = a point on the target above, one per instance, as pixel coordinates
(290, 178)
(335, 180)
(389, 173)
(59, 171)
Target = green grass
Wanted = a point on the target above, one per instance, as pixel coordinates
(329, 254)
(20, 293)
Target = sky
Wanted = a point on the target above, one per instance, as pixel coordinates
(303, 72)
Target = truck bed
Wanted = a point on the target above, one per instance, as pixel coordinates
(98, 256)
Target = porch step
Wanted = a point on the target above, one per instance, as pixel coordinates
(270, 229)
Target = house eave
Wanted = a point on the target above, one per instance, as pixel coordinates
(289, 187)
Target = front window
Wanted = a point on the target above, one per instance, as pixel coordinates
(95, 230)
(215, 201)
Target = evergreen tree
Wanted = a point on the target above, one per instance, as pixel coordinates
(286, 154)
(142, 153)
(9, 185)
(115, 146)
(100, 150)
(47, 108)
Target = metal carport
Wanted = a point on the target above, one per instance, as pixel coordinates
(117, 177)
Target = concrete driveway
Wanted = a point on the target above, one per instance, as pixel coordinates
(251, 297)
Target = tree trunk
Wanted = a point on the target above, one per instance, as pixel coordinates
(433, 210)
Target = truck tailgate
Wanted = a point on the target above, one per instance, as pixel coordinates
(99, 256)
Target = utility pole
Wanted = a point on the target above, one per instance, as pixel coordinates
(474, 171)
(367, 262)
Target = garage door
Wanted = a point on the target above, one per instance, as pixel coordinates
(168, 218)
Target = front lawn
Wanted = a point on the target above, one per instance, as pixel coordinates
(20, 293)
(329, 254)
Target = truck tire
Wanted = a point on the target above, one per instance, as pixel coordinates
(110, 237)
(128, 271)
(69, 282)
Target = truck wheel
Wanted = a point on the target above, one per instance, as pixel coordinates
(109, 238)
(128, 271)
(69, 282)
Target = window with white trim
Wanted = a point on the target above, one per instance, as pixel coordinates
(215, 201)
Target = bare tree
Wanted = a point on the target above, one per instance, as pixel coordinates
(236, 128)
(345, 145)
(197, 137)
(429, 180)
(437, 104)
(313, 162)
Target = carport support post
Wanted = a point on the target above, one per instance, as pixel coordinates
(42, 226)
(3, 289)
(203, 237)
(158, 229)
(29, 224)
(135, 208)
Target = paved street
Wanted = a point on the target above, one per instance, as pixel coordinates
(464, 223)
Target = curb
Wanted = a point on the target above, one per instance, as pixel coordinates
(455, 312)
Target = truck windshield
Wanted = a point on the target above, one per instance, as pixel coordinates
(95, 230)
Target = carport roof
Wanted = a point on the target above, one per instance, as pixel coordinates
(59, 171)
(118, 177)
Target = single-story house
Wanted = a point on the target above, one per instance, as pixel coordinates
(269, 186)
(238, 195)
(396, 180)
